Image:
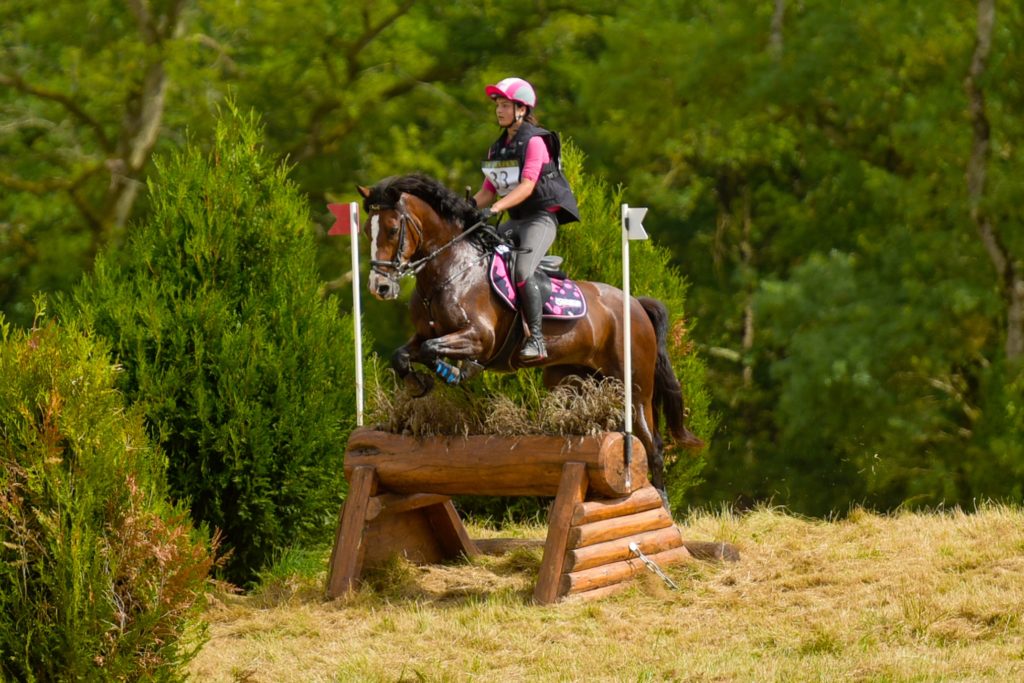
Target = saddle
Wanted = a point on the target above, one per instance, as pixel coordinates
(563, 299)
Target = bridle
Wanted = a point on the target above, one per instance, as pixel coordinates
(397, 267)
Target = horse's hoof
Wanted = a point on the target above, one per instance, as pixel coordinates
(418, 384)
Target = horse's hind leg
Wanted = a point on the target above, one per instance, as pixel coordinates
(654, 446)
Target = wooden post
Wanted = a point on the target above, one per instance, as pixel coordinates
(347, 556)
(571, 490)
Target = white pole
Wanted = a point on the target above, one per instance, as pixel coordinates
(357, 315)
(627, 348)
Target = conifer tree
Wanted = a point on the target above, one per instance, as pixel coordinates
(243, 370)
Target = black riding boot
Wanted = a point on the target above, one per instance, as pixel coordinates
(531, 305)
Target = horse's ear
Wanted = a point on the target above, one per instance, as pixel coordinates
(364, 191)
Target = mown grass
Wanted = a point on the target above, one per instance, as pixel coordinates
(907, 597)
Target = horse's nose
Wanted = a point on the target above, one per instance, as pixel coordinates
(382, 287)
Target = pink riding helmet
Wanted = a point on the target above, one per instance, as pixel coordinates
(515, 89)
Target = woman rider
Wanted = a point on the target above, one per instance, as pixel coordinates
(524, 169)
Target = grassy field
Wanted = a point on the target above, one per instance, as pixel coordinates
(909, 597)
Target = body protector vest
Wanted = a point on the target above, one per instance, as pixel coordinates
(504, 168)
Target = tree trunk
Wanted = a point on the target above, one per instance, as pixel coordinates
(778, 17)
(1009, 270)
(750, 275)
(144, 111)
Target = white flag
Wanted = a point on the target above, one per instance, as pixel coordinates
(633, 222)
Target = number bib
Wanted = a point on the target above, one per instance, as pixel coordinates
(504, 175)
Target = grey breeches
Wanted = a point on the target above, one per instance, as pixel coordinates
(534, 233)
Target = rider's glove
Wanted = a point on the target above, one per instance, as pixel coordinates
(485, 214)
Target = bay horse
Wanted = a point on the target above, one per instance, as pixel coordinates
(419, 227)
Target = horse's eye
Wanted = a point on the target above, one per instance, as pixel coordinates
(392, 232)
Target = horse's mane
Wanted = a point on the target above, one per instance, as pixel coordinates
(448, 205)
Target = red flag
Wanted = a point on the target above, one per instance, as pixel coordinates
(347, 219)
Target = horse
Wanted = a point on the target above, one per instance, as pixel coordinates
(419, 227)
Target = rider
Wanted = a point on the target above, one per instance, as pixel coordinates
(524, 167)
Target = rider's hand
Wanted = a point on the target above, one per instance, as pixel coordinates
(485, 214)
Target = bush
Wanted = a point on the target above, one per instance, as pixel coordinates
(245, 373)
(100, 577)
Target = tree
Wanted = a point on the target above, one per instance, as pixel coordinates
(793, 154)
(1009, 266)
(86, 87)
(243, 370)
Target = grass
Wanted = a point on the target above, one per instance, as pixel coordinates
(906, 597)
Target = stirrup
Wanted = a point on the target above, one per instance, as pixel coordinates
(533, 349)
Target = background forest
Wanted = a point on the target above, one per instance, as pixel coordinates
(834, 180)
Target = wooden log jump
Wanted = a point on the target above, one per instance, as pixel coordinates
(398, 502)
(492, 465)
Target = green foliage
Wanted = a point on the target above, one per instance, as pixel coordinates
(100, 576)
(808, 171)
(833, 136)
(244, 372)
(84, 94)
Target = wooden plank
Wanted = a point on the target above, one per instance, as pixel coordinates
(598, 593)
(610, 529)
(450, 531)
(493, 465)
(571, 490)
(616, 572)
(650, 543)
(347, 556)
(393, 503)
(408, 534)
(502, 546)
(646, 498)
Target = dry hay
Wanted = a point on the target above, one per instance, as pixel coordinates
(578, 406)
(441, 412)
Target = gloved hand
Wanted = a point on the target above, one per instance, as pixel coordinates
(485, 214)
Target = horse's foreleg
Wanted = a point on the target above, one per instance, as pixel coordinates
(416, 383)
(465, 344)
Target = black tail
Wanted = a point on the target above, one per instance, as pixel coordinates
(668, 394)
